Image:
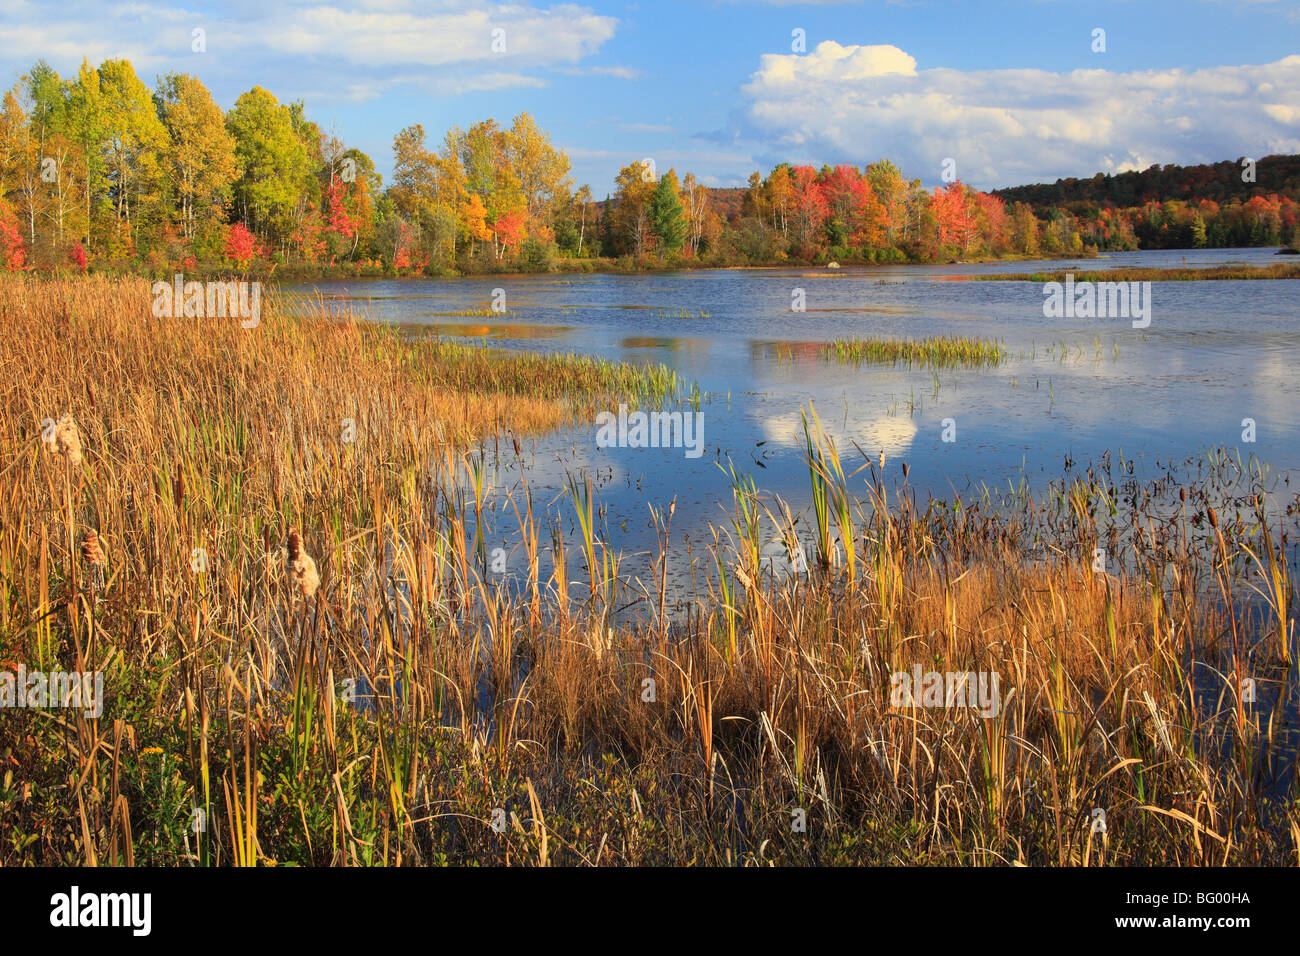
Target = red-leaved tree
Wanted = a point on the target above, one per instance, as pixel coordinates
(241, 245)
(509, 229)
(12, 252)
(77, 256)
(810, 205)
(956, 224)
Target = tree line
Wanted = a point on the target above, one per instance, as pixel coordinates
(100, 170)
(1231, 203)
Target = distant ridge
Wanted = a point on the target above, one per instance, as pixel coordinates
(1220, 182)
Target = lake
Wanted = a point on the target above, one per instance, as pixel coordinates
(1074, 391)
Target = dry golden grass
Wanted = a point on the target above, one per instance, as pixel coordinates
(340, 679)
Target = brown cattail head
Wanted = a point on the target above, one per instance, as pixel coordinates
(1182, 494)
(1214, 520)
(66, 440)
(90, 549)
(301, 567)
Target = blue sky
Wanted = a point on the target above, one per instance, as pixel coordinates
(1013, 92)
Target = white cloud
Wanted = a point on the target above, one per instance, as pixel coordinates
(645, 128)
(414, 34)
(355, 50)
(454, 86)
(1004, 127)
(892, 434)
(617, 72)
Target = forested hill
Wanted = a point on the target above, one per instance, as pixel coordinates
(1219, 182)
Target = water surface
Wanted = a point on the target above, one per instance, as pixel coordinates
(1073, 390)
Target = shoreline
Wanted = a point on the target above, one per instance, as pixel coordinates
(610, 267)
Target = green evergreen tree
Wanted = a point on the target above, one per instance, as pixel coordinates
(667, 217)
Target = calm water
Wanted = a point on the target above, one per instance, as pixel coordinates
(1215, 353)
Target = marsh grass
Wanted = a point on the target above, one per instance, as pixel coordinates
(934, 352)
(1277, 270)
(412, 698)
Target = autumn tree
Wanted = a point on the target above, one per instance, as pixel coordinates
(771, 200)
(869, 220)
(270, 160)
(12, 254)
(22, 165)
(891, 190)
(485, 158)
(133, 141)
(842, 188)
(954, 215)
(240, 245)
(200, 159)
(349, 207)
(631, 225)
(695, 202)
(86, 125)
(857, 217)
(13, 133)
(991, 221)
(1024, 229)
(308, 227)
(47, 96)
(541, 170)
(414, 177)
(582, 201)
(62, 207)
(474, 215)
(808, 205)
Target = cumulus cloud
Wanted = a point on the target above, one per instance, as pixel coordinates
(1009, 126)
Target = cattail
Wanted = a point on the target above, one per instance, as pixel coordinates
(600, 640)
(90, 549)
(66, 440)
(1182, 495)
(94, 556)
(301, 568)
(1214, 520)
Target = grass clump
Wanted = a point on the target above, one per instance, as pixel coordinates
(935, 352)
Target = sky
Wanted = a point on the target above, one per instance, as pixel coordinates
(1010, 93)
